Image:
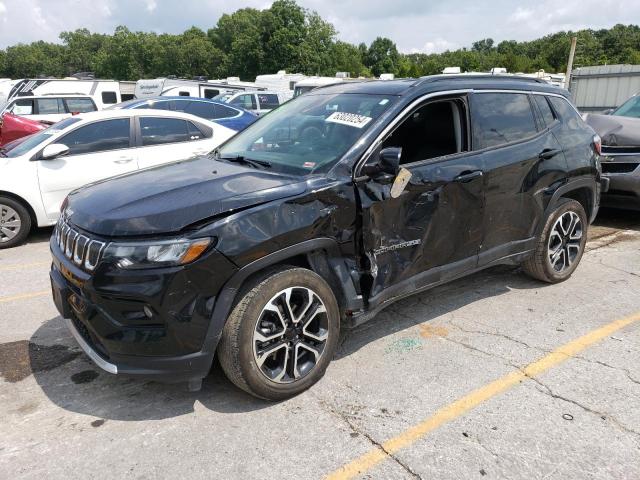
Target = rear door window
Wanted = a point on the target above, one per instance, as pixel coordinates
(225, 112)
(268, 101)
(566, 112)
(501, 118)
(80, 105)
(246, 101)
(50, 106)
(545, 109)
(99, 137)
(158, 131)
(201, 109)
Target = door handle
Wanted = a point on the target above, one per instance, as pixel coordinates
(548, 153)
(465, 177)
(123, 160)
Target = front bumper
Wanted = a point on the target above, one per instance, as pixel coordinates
(105, 313)
(623, 173)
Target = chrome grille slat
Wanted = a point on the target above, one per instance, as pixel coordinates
(77, 247)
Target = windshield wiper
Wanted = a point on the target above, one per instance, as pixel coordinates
(245, 161)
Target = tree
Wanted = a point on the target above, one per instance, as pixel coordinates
(483, 46)
(382, 57)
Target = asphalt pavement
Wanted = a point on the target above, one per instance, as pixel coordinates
(492, 376)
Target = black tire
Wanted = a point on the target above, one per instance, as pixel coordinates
(539, 265)
(238, 346)
(9, 210)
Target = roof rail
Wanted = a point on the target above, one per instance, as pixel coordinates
(499, 77)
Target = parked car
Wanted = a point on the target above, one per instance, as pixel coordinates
(49, 108)
(37, 172)
(322, 213)
(102, 92)
(13, 127)
(254, 102)
(630, 108)
(620, 155)
(231, 117)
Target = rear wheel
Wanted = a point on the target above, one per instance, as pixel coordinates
(561, 244)
(282, 334)
(15, 222)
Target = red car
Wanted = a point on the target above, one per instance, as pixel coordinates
(13, 127)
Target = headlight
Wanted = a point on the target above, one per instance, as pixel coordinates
(156, 254)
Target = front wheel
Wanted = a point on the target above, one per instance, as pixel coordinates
(15, 222)
(561, 245)
(281, 335)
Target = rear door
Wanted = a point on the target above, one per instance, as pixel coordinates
(521, 158)
(164, 140)
(98, 150)
(432, 231)
(50, 109)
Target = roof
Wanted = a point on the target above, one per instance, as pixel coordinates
(140, 101)
(107, 114)
(436, 83)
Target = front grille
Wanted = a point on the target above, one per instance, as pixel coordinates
(85, 252)
(619, 167)
(618, 150)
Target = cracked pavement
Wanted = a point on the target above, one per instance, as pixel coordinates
(61, 417)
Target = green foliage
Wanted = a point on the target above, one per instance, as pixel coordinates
(249, 42)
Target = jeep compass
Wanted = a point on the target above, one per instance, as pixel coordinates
(318, 215)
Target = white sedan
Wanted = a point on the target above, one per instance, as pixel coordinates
(37, 172)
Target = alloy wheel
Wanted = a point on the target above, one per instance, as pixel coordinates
(290, 334)
(565, 241)
(10, 223)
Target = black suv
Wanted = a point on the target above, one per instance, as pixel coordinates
(322, 213)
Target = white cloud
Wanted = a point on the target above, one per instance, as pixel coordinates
(151, 5)
(438, 45)
(415, 25)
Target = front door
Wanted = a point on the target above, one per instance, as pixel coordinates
(96, 151)
(432, 231)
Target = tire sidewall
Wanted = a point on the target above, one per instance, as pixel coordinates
(256, 380)
(570, 205)
(25, 222)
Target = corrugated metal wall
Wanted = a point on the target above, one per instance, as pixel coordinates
(596, 89)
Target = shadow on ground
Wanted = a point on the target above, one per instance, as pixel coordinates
(618, 219)
(70, 380)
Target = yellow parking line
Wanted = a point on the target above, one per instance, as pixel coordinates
(23, 265)
(477, 397)
(24, 296)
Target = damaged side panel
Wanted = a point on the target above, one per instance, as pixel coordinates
(436, 221)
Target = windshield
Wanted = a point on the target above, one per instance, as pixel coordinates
(308, 134)
(23, 145)
(223, 97)
(630, 108)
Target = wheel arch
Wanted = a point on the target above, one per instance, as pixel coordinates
(24, 203)
(583, 190)
(320, 255)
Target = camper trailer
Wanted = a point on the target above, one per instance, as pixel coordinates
(310, 83)
(281, 82)
(177, 87)
(104, 93)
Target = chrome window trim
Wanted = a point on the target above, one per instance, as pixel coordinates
(403, 114)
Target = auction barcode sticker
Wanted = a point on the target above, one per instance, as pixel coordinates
(351, 119)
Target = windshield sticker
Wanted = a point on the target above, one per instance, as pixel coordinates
(351, 119)
(308, 164)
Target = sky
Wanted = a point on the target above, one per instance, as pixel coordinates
(414, 25)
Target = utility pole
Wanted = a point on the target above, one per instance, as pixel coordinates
(572, 53)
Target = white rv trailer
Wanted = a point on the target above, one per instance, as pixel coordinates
(103, 92)
(308, 84)
(177, 87)
(281, 82)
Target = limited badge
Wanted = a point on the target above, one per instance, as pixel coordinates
(400, 183)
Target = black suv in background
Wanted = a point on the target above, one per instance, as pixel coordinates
(320, 214)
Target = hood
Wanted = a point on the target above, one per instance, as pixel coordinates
(614, 130)
(168, 198)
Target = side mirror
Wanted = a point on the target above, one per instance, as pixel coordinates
(54, 150)
(388, 163)
(609, 111)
